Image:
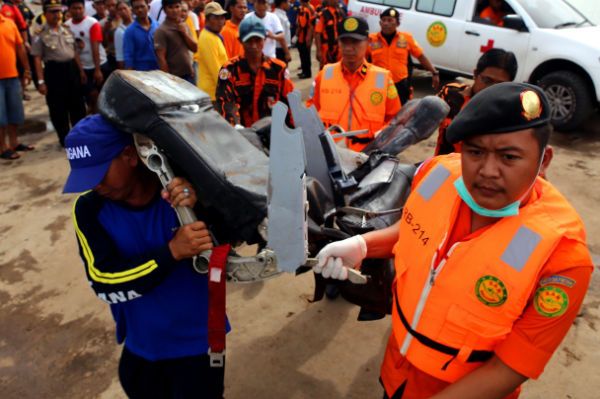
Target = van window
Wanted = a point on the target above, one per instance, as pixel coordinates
(439, 7)
(405, 4)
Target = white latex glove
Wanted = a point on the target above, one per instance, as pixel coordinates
(336, 257)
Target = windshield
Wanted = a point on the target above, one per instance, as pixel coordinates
(553, 14)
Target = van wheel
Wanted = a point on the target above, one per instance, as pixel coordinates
(569, 97)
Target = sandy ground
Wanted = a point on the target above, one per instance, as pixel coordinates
(57, 338)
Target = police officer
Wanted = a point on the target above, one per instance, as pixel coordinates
(249, 85)
(354, 94)
(62, 72)
(391, 50)
(491, 260)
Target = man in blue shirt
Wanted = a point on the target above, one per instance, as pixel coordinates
(138, 259)
(138, 42)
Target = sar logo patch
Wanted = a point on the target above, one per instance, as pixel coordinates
(376, 45)
(224, 74)
(392, 92)
(376, 98)
(491, 291)
(350, 25)
(532, 106)
(551, 301)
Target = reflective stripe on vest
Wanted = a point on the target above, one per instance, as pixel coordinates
(380, 81)
(433, 182)
(520, 248)
(471, 300)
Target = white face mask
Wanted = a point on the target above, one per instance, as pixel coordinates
(511, 209)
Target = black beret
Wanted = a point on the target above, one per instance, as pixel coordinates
(354, 27)
(501, 108)
(390, 12)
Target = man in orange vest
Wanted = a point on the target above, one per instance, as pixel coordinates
(352, 93)
(391, 50)
(326, 32)
(251, 84)
(305, 33)
(491, 260)
(494, 66)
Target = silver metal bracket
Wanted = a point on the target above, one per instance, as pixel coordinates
(216, 359)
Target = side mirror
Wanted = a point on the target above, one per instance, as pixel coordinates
(514, 21)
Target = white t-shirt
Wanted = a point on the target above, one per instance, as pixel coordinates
(285, 23)
(89, 8)
(272, 25)
(195, 20)
(81, 31)
(155, 9)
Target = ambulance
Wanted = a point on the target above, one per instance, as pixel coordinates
(556, 46)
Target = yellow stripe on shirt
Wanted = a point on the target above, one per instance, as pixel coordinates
(105, 277)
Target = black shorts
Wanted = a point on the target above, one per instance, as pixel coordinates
(186, 377)
(90, 85)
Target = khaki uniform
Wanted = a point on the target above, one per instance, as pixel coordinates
(56, 48)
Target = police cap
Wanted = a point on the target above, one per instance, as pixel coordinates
(501, 108)
(354, 27)
(52, 5)
(390, 12)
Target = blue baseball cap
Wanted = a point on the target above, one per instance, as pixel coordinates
(252, 26)
(91, 146)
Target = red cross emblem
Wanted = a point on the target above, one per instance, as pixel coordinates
(487, 47)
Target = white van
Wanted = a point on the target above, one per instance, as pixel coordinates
(556, 46)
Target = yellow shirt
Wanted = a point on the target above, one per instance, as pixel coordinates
(213, 57)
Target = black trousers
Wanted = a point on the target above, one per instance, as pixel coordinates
(305, 62)
(182, 378)
(280, 54)
(403, 88)
(64, 98)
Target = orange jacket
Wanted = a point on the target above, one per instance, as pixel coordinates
(361, 108)
(327, 26)
(462, 305)
(393, 56)
(244, 96)
(231, 40)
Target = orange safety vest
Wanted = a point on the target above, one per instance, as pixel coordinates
(362, 109)
(461, 307)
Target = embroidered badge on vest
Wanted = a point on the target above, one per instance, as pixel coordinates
(392, 92)
(557, 279)
(376, 98)
(401, 43)
(224, 74)
(551, 301)
(376, 45)
(532, 106)
(491, 291)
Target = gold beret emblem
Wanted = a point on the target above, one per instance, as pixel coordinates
(531, 104)
(351, 24)
(393, 13)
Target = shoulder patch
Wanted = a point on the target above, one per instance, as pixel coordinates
(558, 279)
(392, 93)
(551, 301)
(224, 74)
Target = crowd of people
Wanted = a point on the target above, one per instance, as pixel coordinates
(72, 48)
(513, 251)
